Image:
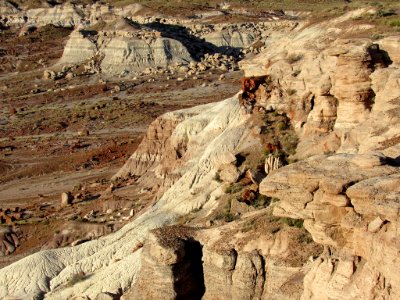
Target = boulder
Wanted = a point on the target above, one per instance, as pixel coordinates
(66, 199)
(229, 173)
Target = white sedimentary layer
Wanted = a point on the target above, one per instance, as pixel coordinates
(105, 260)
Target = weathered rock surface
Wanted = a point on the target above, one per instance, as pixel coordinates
(9, 241)
(220, 263)
(78, 49)
(61, 15)
(351, 207)
(336, 94)
(207, 134)
(135, 54)
(341, 95)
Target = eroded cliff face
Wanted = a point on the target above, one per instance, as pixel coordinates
(339, 93)
(350, 205)
(341, 97)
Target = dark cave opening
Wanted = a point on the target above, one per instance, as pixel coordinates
(189, 276)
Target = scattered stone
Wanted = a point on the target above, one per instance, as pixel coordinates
(106, 296)
(83, 132)
(255, 176)
(69, 76)
(229, 173)
(248, 196)
(66, 199)
(369, 160)
(49, 75)
(375, 225)
(227, 158)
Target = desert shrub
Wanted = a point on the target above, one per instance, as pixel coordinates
(217, 177)
(76, 278)
(233, 189)
(282, 125)
(394, 23)
(292, 222)
(261, 201)
(229, 217)
(249, 225)
(291, 92)
(293, 58)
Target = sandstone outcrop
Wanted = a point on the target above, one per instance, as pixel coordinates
(135, 54)
(78, 49)
(350, 204)
(342, 98)
(334, 94)
(66, 16)
(185, 262)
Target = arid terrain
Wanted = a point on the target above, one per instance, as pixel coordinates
(222, 150)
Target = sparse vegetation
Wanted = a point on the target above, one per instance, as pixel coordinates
(233, 188)
(217, 177)
(305, 238)
(291, 92)
(261, 201)
(249, 225)
(78, 277)
(293, 58)
(292, 222)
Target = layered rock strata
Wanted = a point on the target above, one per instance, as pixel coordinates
(350, 205)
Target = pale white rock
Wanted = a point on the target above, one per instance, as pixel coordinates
(78, 49)
(135, 54)
(375, 225)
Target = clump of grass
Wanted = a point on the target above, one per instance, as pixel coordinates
(376, 37)
(293, 58)
(291, 92)
(217, 177)
(78, 277)
(282, 125)
(249, 225)
(305, 238)
(292, 222)
(233, 189)
(394, 23)
(261, 201)
(228, 216)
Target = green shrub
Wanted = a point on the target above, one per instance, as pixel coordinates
(229, 217)
(394, 23)
(233, 189)
(291, 92)
(292, 222)
(282, 125)
(261, 201)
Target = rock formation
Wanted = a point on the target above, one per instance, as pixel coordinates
(341, 96)
(66, 16)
